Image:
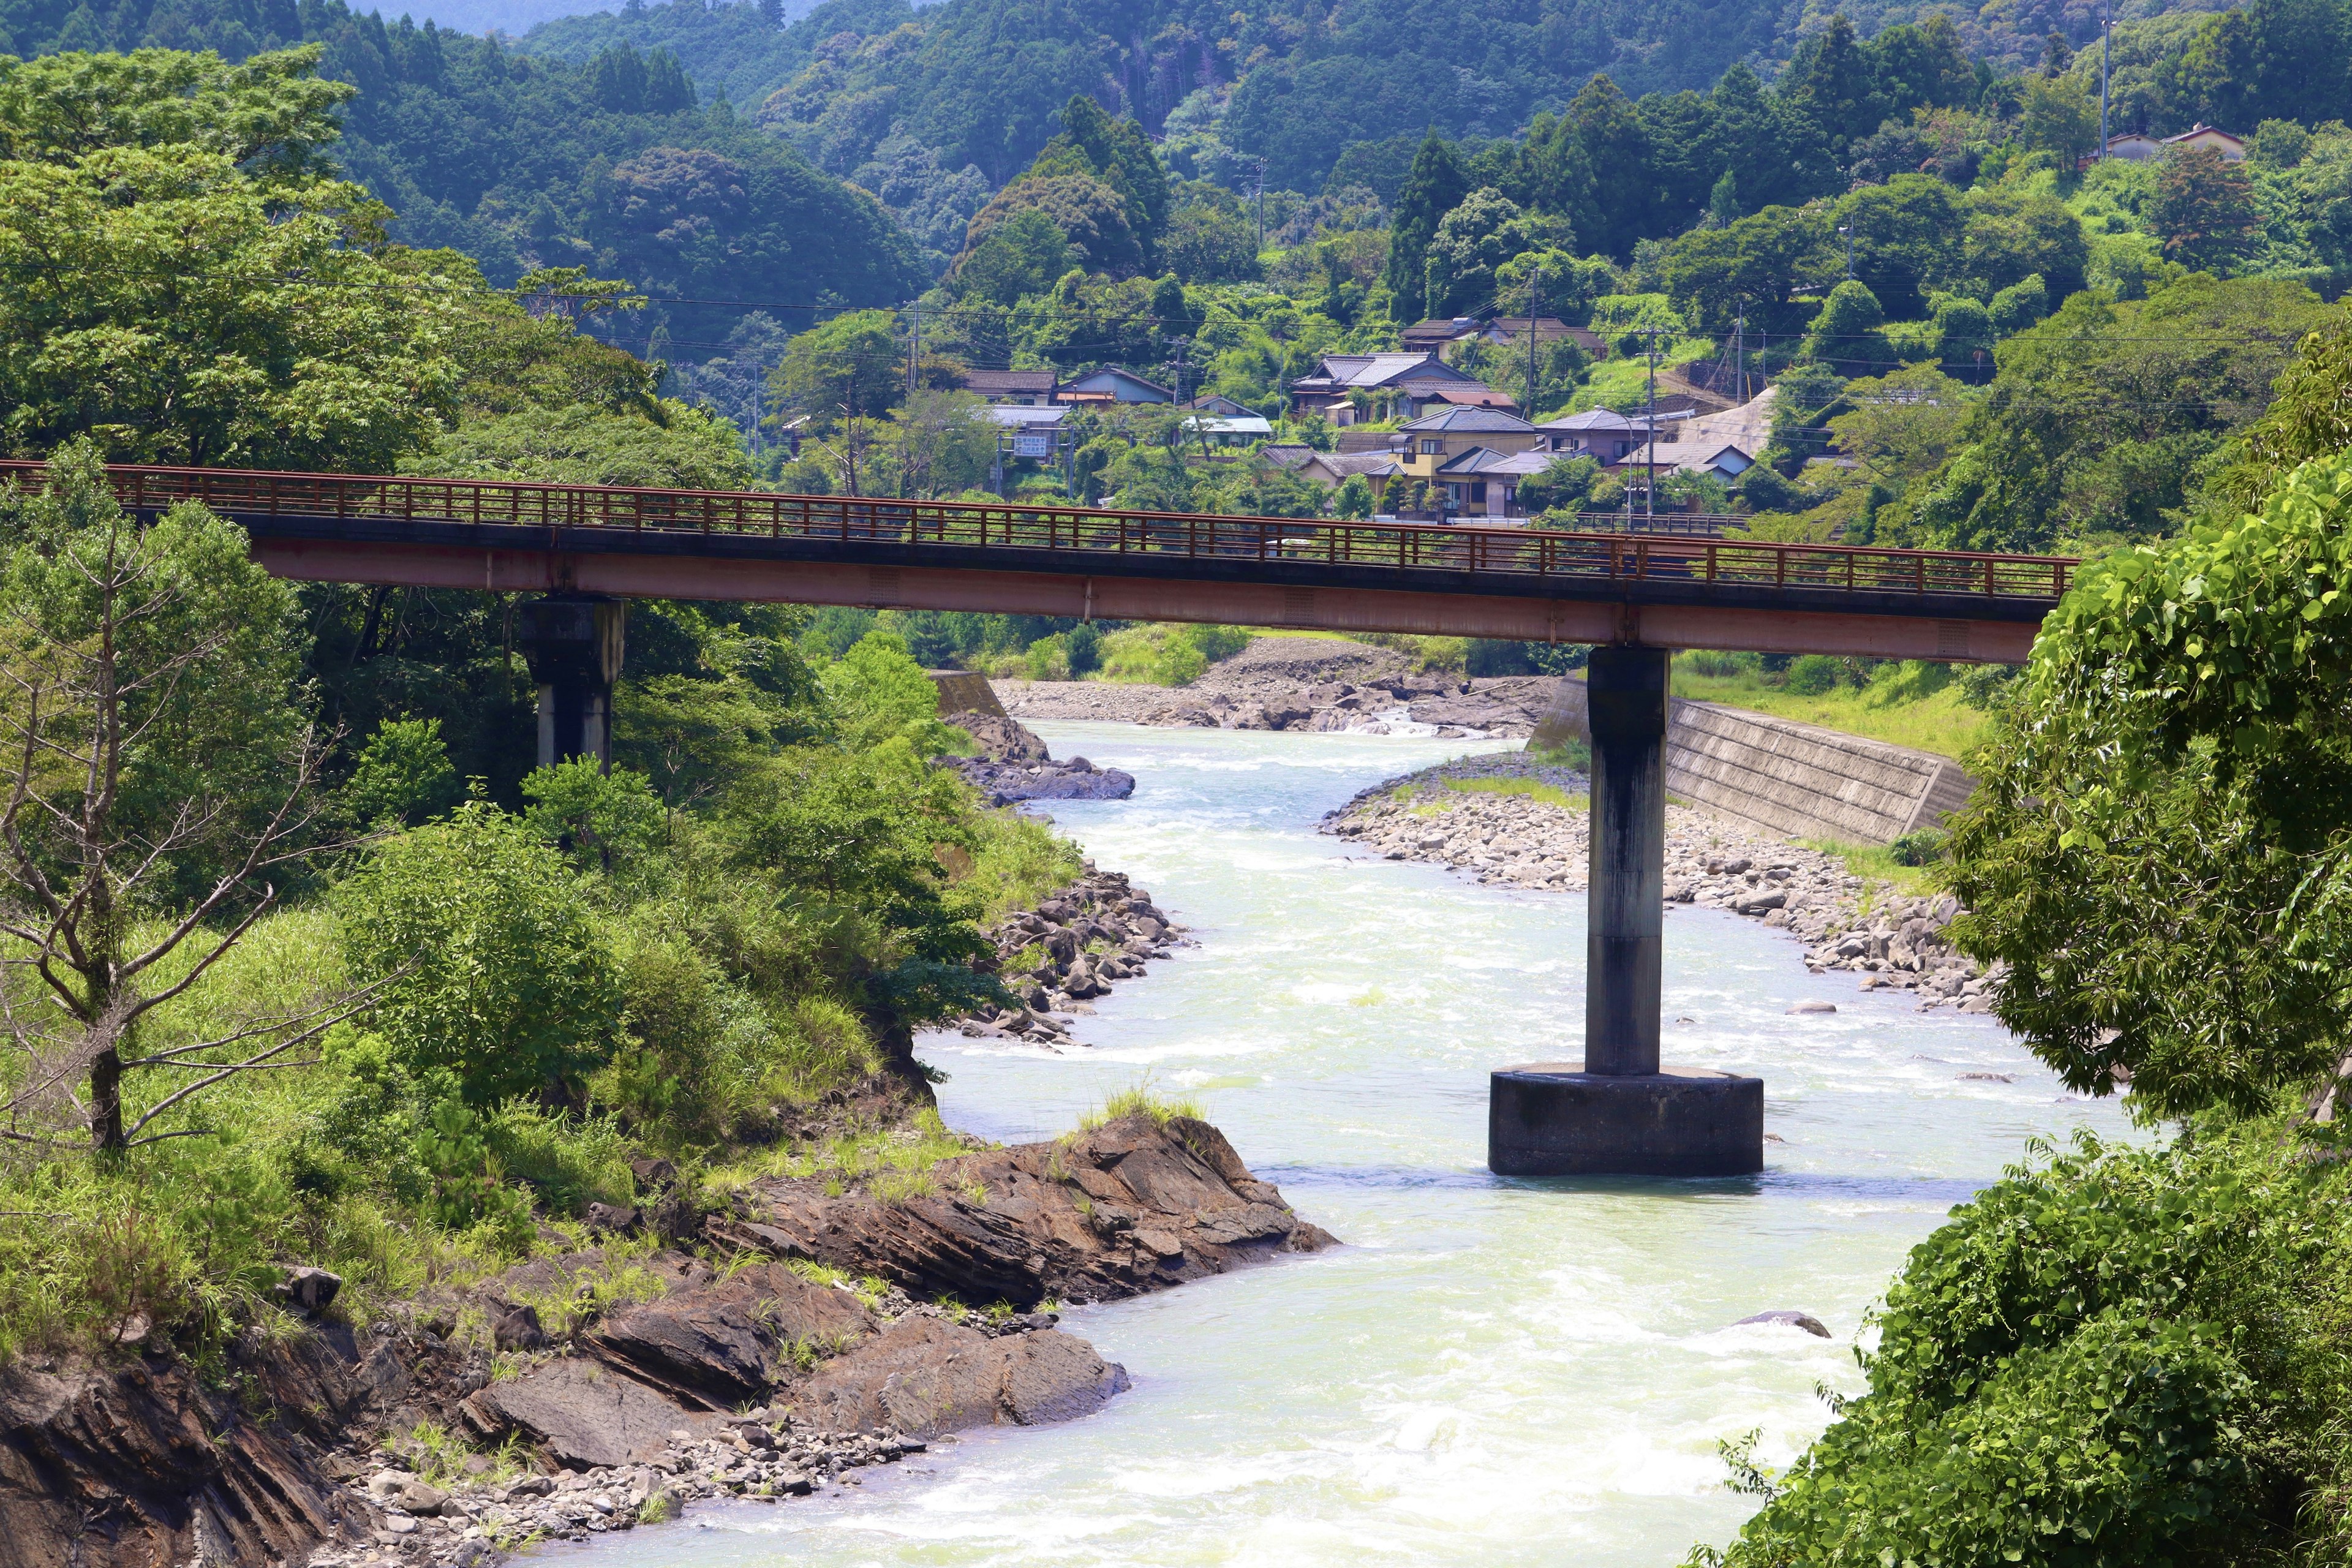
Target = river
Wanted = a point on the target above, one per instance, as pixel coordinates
(1491, 1372)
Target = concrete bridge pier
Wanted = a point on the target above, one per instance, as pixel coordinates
(1619, 1112)
(573, 643)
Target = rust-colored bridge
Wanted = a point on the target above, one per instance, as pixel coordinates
(1522, 584)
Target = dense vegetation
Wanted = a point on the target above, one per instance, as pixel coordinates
(304, 958)
(2145, 1355)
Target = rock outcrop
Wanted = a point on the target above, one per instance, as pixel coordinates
(1014, 765)
(796, 1348)
(1129, 1206)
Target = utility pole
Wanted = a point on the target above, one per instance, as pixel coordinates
(914, 343)
(1650, 475)
(1260, 195)
(2106, 31)
(1535, 308)
(1847, 229)
(1739, 337)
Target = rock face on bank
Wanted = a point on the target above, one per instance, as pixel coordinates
(794, 1349)
(1128, 1208)
(1315, 684)
(1849, 923)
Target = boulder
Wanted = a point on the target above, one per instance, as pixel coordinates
(722, 1340)
(1804, 1320)
(923, 1375)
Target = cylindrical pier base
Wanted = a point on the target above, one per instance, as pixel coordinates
(1554, 1119)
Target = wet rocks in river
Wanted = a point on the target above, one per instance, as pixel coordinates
(1804, 1320)
(1071, 947)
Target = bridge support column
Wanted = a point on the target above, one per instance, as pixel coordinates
(1619, 1112)
(573, 643)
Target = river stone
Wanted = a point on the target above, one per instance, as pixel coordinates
(721, 1339)
(1804, 1320)
(1812, 1007)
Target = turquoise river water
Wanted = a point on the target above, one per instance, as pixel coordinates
(1490, 1373)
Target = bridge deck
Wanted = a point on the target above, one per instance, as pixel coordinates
(1392, 576)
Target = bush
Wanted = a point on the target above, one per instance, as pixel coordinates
(1922, 849)
(1082, 648)
(1815, 674)
(1717, 665)
(1047, 658)
(478, 940)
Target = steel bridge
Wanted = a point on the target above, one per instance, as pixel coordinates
(1658, 591)
(1635, 596)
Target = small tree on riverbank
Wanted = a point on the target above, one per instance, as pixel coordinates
(158, 779)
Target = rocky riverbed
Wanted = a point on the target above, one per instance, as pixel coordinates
(1311, 684)
(1465, 815)
(1071, 947)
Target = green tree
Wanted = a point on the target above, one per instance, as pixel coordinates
(1435, 187)
(2060, 119)
(178, 309)
(941, 442)
(2204, 210)
(484, 960)
(665, 445)
(879, 693)
(603, 820)
(2162, 849)
(1752, 268)
(2101, 414)
(403, 775)
(1904, 231)
(158, 763)
(847, 368)
(1026, 254)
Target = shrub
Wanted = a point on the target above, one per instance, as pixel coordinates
(479, 941)
(1922, 849)
(1814, 675)
(1717, 665)
(1082, 646)
(1047, 658)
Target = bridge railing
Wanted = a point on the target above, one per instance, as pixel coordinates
(1404, 546)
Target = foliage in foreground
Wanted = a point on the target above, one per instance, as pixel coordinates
(2125, 1357)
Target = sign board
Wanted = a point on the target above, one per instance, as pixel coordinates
(1032, 445)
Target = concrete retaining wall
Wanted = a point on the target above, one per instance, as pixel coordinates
(962, 691)
(1786, 777)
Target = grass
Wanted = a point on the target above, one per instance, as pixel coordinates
(1877, 862)
(894, 1164)
(1534, 789)
(1141, 1101)
(1909, 704)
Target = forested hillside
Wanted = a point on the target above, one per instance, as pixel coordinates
(523, 161)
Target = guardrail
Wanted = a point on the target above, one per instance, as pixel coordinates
(1517, 553)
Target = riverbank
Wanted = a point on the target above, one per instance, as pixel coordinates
(1304, 684)
(767, 1342)
(1508, 819)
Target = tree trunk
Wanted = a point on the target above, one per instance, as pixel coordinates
(106, 1102)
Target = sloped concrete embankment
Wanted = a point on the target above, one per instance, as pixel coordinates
(1784, 778)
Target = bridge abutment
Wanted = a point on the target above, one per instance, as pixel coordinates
(573, 643)
(1619, 1112)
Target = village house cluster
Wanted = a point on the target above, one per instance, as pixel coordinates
(1412, 415)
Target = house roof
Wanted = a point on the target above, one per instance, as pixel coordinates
(1230, 425)
(1463, 393)
(1335, 465)
(1471, 421)
(1715, 460)
(1439, 329)
(987, 380)
(2206, 133)
(1109, 380)
(1021, 415)
(1218, 403)
(1347, 371)
(1485, 461)
(1369, 440)
(1590, 420)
